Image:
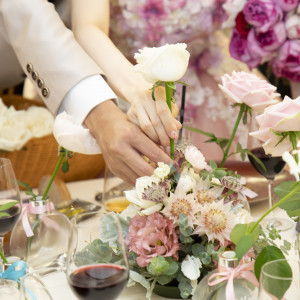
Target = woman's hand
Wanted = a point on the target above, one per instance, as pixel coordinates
(154, 117)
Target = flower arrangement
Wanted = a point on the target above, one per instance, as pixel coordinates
(267, 31)
(179, 220)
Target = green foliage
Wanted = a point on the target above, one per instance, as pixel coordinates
(158, 266)
(185, 229)
(6, 206)
(292, 204)
(184, 286)
(243, 236)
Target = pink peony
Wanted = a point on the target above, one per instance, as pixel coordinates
(238, 49)
(281, 117)
(287, 62)
(292, 26)
(262, 14)
(242, 87)
(287, 5)
(264, 43)
(150, 236)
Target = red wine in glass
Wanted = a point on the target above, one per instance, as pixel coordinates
(93, 282)
(273, 164)
(7, 222)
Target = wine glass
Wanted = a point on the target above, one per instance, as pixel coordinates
(10, 200)
(273, 166)
(113, 195)
(280, 279)
(96, 270)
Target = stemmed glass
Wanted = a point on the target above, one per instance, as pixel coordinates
(10, 199)
(96, 270)
(280, 279)
(273, 166)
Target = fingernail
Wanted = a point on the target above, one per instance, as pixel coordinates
(178, 124)
(173, 134)
(168, 149)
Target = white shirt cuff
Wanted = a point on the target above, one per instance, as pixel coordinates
(83, 97)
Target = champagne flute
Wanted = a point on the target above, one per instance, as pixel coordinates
(273, 166)
(95, 270)
(10, 200)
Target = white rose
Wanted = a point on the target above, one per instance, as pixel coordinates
(186, 182)
(72, 136)
(162, 170)
(39, 121)
(195, 158)
(167, 63)
(292, 26)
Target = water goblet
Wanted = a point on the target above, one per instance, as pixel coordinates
(10, 200)
(280, 279)
(273, 165)
(94, 268)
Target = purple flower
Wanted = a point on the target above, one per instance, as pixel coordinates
(287, 5)
(239, 50)
(262, 14)
(264, 43)
(287, 62)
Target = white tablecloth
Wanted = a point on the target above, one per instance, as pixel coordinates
(86, 190)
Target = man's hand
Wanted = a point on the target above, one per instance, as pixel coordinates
(123, 143)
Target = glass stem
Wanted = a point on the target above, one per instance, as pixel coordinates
(3, 259)
(270, 189)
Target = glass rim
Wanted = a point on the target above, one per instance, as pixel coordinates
(277, 260)
(84, 215)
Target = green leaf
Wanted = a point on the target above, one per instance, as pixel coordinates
(156, 84)
(213, 164)
(4, 215)
(164, 279)
(243, 238)
(184, 286)
(158, 265)
(220, 173)
(173, 267)
(171, 85)
(292, 204)
(184, 227)
(267, 254)
(274, 284)
(197, 249)
(139, 278)
(8, 205)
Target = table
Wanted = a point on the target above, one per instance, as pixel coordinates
(86, 190)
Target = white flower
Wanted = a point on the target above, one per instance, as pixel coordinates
(136, 196)
(292, 26)
(166, 63)
(72, 136)
(186, 182)
(294, 167)
(232, 8)
(195, 158)
(190, 267)
(39, 121)
(162, 170)
(243, 217)
(216, 221)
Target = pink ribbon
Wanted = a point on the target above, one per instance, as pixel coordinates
(229, 274)
(37, 210)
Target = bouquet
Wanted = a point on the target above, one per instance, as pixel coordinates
(266, 34)
(179, 220)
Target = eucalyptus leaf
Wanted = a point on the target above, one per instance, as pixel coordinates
(164, 279)
(158, 265)
(139, 278)
(198, 249)
(8, 205)
(185, 287)
(108, 229)
(173, 267)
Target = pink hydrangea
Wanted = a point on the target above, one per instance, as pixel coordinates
(150, 236)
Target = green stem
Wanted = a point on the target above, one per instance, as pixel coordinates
(225, 155)
(53, 175)
(3, 257)
(169, 102)
(291, 193)
(294, 143)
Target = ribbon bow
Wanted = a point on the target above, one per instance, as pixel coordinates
(229, 274)
(14, 271)
(37, 210)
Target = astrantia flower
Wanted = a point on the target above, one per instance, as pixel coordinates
(156, 192)
(216, 221)
(204, 194)
(150, 236)
(180, 203)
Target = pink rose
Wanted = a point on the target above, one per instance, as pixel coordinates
(287, 62)
(287, 5)
(292, 26)
(150, 236)
(281, 117)
(264, 43)
(238, 49)
(195, 158)
(262, 14)
(242, 87)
